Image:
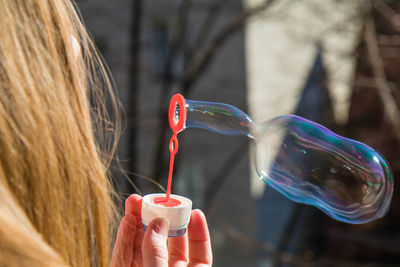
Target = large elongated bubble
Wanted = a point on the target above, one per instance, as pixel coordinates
(308, 163)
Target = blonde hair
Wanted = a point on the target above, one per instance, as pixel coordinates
(55, 202)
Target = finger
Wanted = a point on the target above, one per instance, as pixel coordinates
(154, 248)
(123, 247)
(133, 205)
(178, 251)
(199, 240)
(137, 249)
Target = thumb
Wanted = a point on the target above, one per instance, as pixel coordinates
(154, 246)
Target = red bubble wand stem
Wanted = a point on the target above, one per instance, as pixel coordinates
(177, 119)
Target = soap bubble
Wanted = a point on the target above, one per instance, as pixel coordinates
(306, 162)
(310, 164)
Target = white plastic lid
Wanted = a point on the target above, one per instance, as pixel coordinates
(178, 216)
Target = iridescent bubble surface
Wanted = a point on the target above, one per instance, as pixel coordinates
(306, 162)
(217, 117)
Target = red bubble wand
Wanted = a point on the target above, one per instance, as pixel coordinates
(177, 120)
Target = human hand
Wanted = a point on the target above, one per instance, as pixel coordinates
(134, 247)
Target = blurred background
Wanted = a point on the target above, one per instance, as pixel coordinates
(336, 62)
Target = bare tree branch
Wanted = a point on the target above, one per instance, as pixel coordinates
(208, 24)
(177, 44)
(202, 60)
(287, 257)
(384, 90)
(222, 175)
(135, 48)
(195, 68)
(388, 13)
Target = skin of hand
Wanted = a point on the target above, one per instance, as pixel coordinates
(136, 248)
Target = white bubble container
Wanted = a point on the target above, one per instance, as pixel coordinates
(178, 216)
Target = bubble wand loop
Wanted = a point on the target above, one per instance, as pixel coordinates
(177, 119)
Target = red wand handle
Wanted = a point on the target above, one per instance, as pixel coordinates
(173, 149)
(177, 121)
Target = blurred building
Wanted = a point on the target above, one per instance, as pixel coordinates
(303, 57)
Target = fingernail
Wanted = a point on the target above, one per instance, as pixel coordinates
(161, 226)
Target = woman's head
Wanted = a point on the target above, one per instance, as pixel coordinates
(54, 193)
